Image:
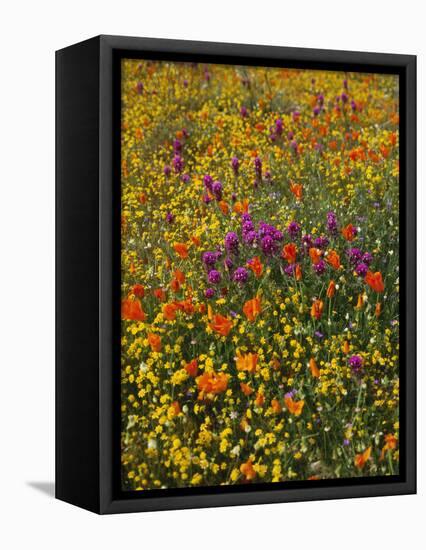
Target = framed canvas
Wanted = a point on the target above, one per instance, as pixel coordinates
(236, 274)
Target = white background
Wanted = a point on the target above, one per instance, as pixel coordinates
(29, 33)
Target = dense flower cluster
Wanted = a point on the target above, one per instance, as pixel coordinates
(260, 290)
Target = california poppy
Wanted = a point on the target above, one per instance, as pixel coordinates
(131, 310)
(315, 255)
(174, 409)
(212, 383)
(378, 309)
(331, 289)
(179, 276)
(289, 253)
(181, 249)
(260, 399)
(160, 294)
(246, 362)
(220, 324)
(297, 190)
(169, 312)
(248, 471)
(256, 266)
(317, 309)
(314, 369)
(276, 406)
(192, 368)
(294, 407)
(252, 308)
(333, 259)
(241, 207)
(246, 389)
(138, 290)
(349, 232)
(362, 458)
(298, 272)
(390, 443)
(360, 302)
(224, 207)
(154, 340)
(375, 281)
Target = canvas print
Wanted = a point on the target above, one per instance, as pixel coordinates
(259, 275)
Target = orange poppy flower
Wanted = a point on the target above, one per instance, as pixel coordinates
(220, 324)
(256, 266)
(349, 232)
(160, 294)
(294, 407)
(315, 255)
(138, 290)
(181, 249)
(333, 259)
(241, 207)
(252, 308)
(314, 369)
(131, 310)
(154, 340)
(196, 240)
(179, 276)
(260, 399)
(175, 285)
(276, 406)
(331, 289)
(298, 272)
(362, 458)
(246, 389)
(378, 309)
(375, 281)
(211, 383)
(390, 443)
(297, 190)
(174, 409)
(246, 362)
(224, 207)
(169, 312)
(289, 253)
(345, 347)
(317, 309)
(192, 368)
(248, 471)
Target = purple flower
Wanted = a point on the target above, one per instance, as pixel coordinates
(177, 146)
(320, 267)
(240, 275)
(185, 178)
(346, 442)
(316, 111)
(207, 199)
(293, 229)
(217, 190)
(293, 145)
(185, 83)
(356, 363)
(209, 259)
(367, 258)
(169, 217)
(214, 277)
(233, 197)
(354, 255)
(268, 245)
(279, 126)
(353, 105)
(178, 164)
(321, 242)
(291, 394)
(139, 88)
(290, 135)
(167, 170)
(307, 241)
(208, 182)
(209, 292)
(250, 237)
(318, 335)
(361, 269)
(243, 111)
(231, 242)
(331, 222)
(290, 269)
(320, 99)
(235, 164)
(258, 167)
(295, 115)
(228, 263)
(344, 97)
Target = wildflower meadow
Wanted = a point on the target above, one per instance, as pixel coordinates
(260, 285)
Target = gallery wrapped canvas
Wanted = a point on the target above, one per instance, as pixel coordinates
(236, 274)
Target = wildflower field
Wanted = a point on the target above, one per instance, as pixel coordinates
(260, 290)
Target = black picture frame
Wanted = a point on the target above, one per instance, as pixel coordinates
(88, 273)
